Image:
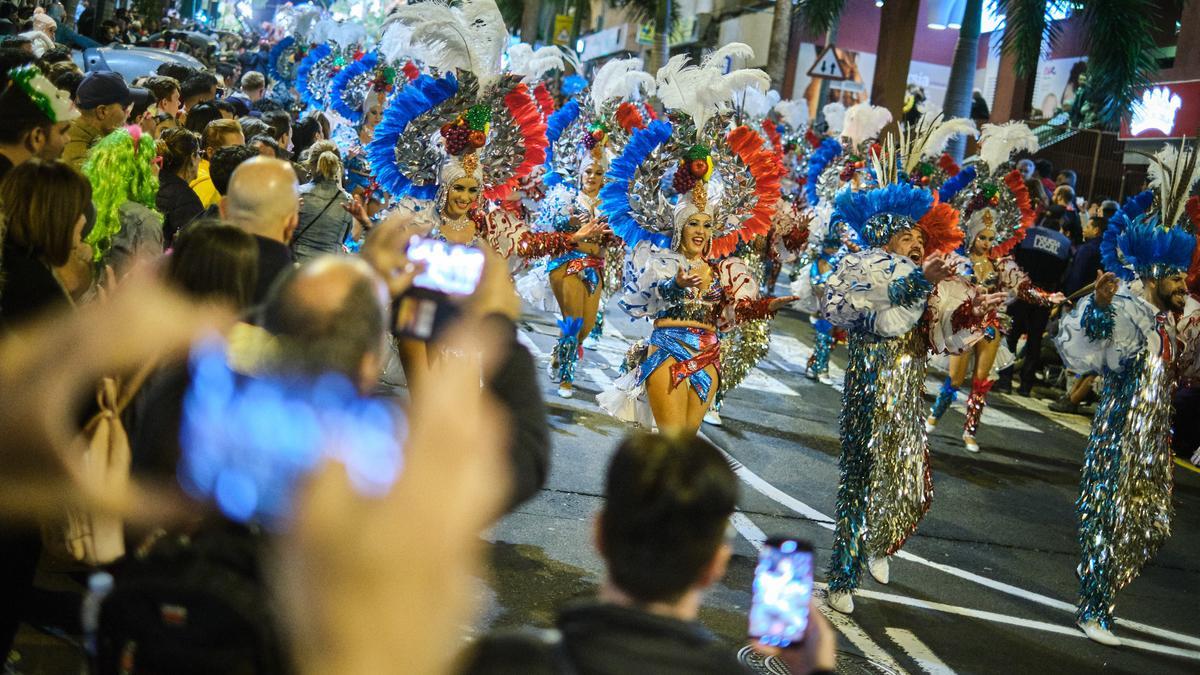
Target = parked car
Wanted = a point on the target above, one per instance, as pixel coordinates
(130, 62)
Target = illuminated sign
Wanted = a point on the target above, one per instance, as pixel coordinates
(1165, 110)
(1155, 110)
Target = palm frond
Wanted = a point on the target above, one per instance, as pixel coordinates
(1123, 61)
(819, 15)
(1027, 26)
(641, 11)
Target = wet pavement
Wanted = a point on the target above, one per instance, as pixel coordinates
(985, 585)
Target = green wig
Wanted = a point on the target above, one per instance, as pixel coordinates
(120, 168)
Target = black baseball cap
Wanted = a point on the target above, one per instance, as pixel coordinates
(102, 87)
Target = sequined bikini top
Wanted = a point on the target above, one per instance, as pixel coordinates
(699, 307)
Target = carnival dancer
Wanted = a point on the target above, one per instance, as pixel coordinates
(827, 247)
(1129, 335)
(444, 143)
(672, 378)
(899, 300)
(581, 133)
(995, 214)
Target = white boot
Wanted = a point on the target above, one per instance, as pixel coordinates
(825, 379)
(880, 569)
(842, 601)
(592, 343)
(969, 442)
(565, 390)
(930, 424)
(713, 417)
(1097, 633)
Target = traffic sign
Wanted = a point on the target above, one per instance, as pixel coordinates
(562, 29)
(827, 65)
(645, 34)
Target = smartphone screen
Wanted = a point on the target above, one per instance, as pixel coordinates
(248, 442)
(449, 268)
(783, 584)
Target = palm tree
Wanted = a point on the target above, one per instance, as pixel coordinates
(962, 71)
(781, 34)
(531, 13)
(821, 17)
(1121, 50)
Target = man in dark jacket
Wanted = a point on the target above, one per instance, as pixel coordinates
(663, 534)
(264, 200)
(1044, 255)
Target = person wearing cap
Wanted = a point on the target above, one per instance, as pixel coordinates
(34, 118)
(104, 101)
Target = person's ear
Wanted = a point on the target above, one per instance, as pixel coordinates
(290, 228)
(715, 570)
(35, 140)
(597, 538)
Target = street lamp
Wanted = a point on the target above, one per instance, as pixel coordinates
(945, 14)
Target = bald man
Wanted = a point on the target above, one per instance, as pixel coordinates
(330, 315)
(264, 200)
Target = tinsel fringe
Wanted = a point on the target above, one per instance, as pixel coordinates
(820, 158)
(556, 124)
(526, 114)
(1016, 185)
(767, 171)
(940, 227)
(344, 77)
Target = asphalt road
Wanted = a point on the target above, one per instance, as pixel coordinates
(985, 585)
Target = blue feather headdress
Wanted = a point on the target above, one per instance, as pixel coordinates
(615, 197)
(955, 184)
(312, 93)
(817, 161)
(417, 98)
(282, 49)
(876, 215)
(345, 78)
(1136, 245)
(555, 126)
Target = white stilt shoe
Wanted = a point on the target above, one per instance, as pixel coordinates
(713, 417)
(825, 379)
(1097, 633)
(930, 424)
(969, 442)
(841, 601)
(592, 343)
(566, 391)
(880, 569)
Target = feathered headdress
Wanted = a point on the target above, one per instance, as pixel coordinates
(530, 64)
(353, 85)
(918, 145)
(864, 122)
(990, 199)
(793, 115)
(670, 170)
(897, 204)
(999, 142)
(835, 118)
(1145, 237)
(468, 37)
(315, 72)
(284, 59)
(489, 128)
(586, 129)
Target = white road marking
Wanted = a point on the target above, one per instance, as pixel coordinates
(1018, 621)
(598, 376)
(524, 339)
(917, 651)
(847, 626)
(779, 496)
(760, 381)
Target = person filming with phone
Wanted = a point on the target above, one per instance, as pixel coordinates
(664, 536)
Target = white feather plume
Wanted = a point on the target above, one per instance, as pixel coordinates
(471, 36)
(396, 42)
(754, 103)
(701, 91)
(1172, 173)
(835, 117)
(999, 142)
(943, 132)
(716, 59)
(864, 121)
(532, 64)
(793, 113)
(619, 78)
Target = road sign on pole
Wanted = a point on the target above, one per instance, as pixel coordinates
(827, 65)
(562, 29)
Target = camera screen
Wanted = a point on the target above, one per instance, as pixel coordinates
(448, 268)
(782, 591)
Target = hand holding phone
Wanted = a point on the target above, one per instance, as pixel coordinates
(451, 272)
(783, 584)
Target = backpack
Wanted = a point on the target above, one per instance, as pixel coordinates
(191, 604)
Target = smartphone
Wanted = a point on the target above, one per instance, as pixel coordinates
(248, 442)
(783, 585)
(451, 273)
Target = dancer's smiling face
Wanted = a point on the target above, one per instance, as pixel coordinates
(697, 233)
(593, 178)
(1170, 292)
(462, 196)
